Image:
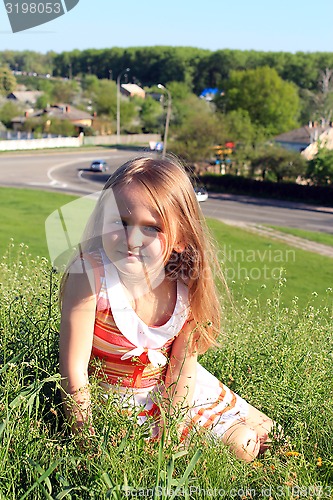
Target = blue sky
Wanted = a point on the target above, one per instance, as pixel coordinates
(286, 25)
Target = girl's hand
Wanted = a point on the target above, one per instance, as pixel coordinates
(88, 443)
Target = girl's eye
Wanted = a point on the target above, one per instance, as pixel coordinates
(151, 229)
(148, 230)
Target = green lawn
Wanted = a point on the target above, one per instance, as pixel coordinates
(252, 264)
(23, 215)
(318, 237)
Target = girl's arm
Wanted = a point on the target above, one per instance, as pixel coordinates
(182, 370)
(76, 335)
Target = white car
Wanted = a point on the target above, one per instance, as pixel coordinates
(201, 193)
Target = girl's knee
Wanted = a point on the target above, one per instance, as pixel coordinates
(243, 441)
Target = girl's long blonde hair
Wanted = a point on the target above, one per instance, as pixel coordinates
(171, 194)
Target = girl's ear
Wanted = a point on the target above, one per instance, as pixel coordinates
(179, 246)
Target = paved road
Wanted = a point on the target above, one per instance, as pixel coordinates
(68, 172)
(249, 210)
(62, 171)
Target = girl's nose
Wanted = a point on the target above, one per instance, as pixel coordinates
(134, 236)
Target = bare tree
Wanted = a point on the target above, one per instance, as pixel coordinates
(325, 80)
(325, 97)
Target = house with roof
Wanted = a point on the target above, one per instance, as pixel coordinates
(25, 96)
(208, 94)
(132, 90)
(305, 139)
(300, 138)
(80, 119)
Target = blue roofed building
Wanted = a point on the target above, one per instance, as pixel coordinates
(210, 93)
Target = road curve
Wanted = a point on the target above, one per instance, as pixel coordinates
(68, 172)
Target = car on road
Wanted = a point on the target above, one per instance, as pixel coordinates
(99, 166)
(201, 193)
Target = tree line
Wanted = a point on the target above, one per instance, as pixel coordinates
(260, 95)
(199, 68)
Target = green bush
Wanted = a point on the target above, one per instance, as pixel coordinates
(266, 189)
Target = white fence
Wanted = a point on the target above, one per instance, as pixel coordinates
(27, 144)
(75, 142)
(111, 140)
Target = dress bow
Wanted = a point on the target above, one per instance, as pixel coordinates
(155, 357)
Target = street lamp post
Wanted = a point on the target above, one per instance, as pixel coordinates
(167, 120)
(118, 102)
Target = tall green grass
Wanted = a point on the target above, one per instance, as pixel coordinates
(279, 358)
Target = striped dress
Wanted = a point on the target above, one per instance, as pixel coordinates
(131, 357)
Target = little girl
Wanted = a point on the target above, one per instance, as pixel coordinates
(140, 298)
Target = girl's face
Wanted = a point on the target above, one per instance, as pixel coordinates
(133, 234)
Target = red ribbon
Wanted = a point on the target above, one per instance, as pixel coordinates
(137, 375)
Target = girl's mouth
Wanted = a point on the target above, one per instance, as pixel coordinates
(133, 255)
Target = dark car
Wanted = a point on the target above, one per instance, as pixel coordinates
(99, 166)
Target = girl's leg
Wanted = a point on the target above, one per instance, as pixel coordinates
(243, 441)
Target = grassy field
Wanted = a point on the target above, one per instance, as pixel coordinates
(23, 215)
(276, 351)
(318, 237)
(252, 264)
(279, 359)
